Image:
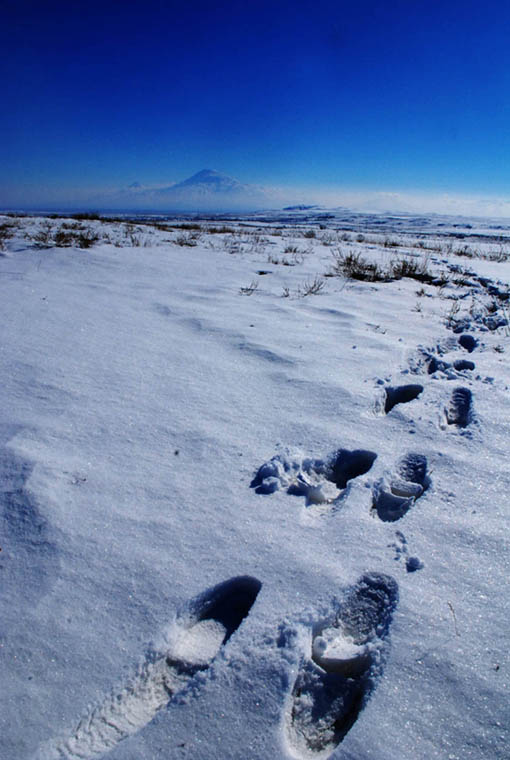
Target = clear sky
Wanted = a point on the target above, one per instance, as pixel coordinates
(393, 95)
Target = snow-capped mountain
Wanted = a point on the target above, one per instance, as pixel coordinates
(209, 181)
(207, 190)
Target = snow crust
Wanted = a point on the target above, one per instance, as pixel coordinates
(164, 431)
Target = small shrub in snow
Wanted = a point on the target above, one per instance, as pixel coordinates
(328, 239)
(187, 240)
(248, 290)
(6, 231)
(451, 317)
(71, 226)
(132, 236)
(86, 239)
(311, 287)
(43, 238)
(414, 268)
(64, 238)
(404, 268)
(354, 266)
(83, 238)
(221, 230)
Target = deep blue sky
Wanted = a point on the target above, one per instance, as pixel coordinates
(395, 94)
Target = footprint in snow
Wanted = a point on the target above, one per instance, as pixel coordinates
(434, 364)
(412, 564)
(467, 341)
(394, 495)
(459, 411)
(321, 481)
(462, 365)
(191, 645)
(398, 394)
(341, 668)
(425, 361)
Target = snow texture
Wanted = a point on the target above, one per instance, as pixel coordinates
(252, 508)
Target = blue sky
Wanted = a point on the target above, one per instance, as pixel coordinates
(367, 96)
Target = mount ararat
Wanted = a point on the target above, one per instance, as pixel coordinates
(207, 190)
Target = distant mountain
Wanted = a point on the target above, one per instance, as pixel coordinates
(210, 181)
(207, 190)
(300, 207)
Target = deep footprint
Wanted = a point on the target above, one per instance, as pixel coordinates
(392, 499)
(342, 668)
(319, 480)
(401, 394)
(469, 342)
(196, 639)
(462, 364)
(459, 411)
(436, 365)
(345, 465)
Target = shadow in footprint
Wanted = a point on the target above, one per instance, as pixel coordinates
(459, 411)
(391, 500)
(226, 604)
(401, 394)
(462, 364)
(190, 646)
(342, 668)
(345, 465)
(469, 342)
(436, 365)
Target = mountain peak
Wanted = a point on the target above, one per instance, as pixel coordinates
(206, 174)
(212, 180)
(207, 190)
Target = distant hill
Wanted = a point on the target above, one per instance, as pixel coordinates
(300, 207)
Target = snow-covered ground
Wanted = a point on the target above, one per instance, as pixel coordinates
(251, 507)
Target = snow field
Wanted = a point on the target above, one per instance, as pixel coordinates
(143, 393)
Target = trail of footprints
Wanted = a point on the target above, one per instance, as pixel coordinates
(326, 481)
(458, 413)
(344, 654)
